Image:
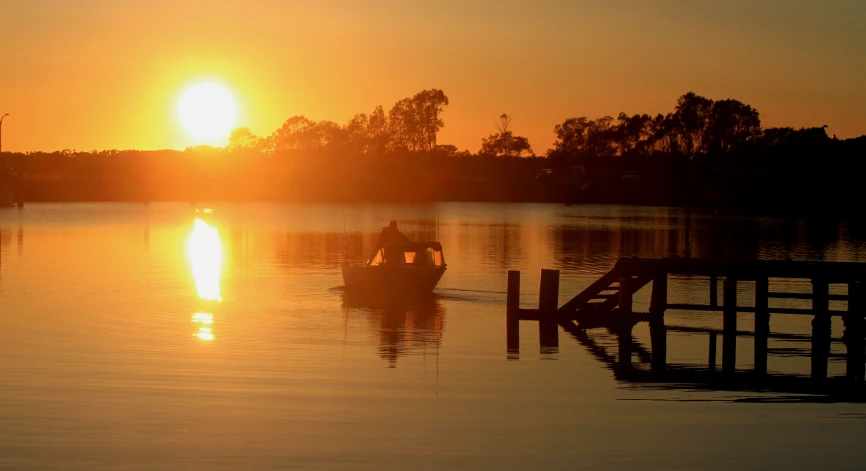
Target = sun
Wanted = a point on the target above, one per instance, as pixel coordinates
(208, 112)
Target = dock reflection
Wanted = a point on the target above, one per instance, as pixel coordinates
(403, 326)
(642, 369)
(602, 318)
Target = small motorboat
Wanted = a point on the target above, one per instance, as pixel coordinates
(397, 266)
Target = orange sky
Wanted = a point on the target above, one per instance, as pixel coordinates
(103, 74)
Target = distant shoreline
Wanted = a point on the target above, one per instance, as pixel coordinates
(698, 208)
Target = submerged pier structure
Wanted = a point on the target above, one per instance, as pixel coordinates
(607, 304)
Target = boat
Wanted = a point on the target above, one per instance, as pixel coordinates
(397, 266)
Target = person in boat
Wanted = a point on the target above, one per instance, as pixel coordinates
(391, 235)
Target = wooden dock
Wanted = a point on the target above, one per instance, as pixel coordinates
(608, 303)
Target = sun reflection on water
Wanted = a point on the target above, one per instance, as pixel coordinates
(203, 318)
(204, 333)
(205, 253)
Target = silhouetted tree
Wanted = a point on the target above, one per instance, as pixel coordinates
(404, 127)
(243, 139)
(665, 136)
(415, 122)
(430, 104)
(784, 137)
(582, 137)
(697, 125)
(328, 134)
(732, 123)
(446, 150)
(357, 135)
(377, 131)
(691, 119)
(296, 133)
(633, 133)
(504, 143)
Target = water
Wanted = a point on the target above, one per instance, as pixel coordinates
(134, 337)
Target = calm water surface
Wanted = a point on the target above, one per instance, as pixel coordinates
(137, 337)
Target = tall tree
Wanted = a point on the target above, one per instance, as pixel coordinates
(377, 130)
(633, 133)
(243, 139)
(404, 126)
(732, 123)
(430, 104)
(357, 136)
(415, 122)
(571, 137)
(600, 137)
(691, 118)
(296, 133)
(327, 134)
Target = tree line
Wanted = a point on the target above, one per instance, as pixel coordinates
(703, 150)
(411, 125)
(697, 126)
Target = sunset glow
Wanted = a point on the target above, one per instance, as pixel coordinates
(208, 112)
(331, 60)
(386, 190)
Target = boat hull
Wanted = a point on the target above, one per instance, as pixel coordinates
(391, 281)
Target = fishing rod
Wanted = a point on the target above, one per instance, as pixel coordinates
(345, 239)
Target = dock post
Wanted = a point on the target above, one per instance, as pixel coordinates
(855, 366)
(625, 323)
(729, 336)
(712, 359)
(714, 290)
(548, 303)
(821, 326)
(658, 331)
(762, 324)
(512, 312)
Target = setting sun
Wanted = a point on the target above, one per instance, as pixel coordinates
(208, 112)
